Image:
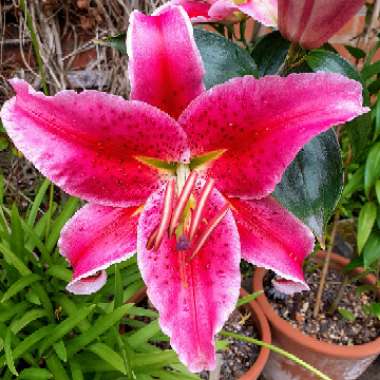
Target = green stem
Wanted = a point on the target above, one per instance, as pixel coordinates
(278, 350)
(36, 48)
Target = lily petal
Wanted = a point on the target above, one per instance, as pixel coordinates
(273, 238)
(261, 124)
(87, 143)
(264, 11)
(95, 238)
(193, 296)
(165, 68)
(312, 22)
(197, 10)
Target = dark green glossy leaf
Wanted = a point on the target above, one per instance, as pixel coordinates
(322, 60)
(312, 184)
(270, 53)
(222, 59)
(360, 128)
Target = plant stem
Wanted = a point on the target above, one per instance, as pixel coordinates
(36, 48)
(290, 59)
(339, 296)
(278, 350)
(326, 266)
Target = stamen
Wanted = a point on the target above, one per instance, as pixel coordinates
(201, 203)
(210, 228)
(152, 238)
(166, 213)
(182, 201)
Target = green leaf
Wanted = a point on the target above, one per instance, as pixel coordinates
(249, 298)
(35, 374)
(60, 350)
(371, 251)
(13, 260)
(76, 371)
(377, 189)
(322, 60)
(4, 143)
(99, 327)
(312, 184)
(377, 118)
(37, 202)
(8, 352)
(355, 183)
(144, 334)
(109, 356)
(371, 70)
(355, 52)
(372, 168)
(60, 272)
(56, 367)
(367, 218)
(359, 133)
(118, 301)
(346, 314)
(20, 285)
(374, 309)
(270, 53)
(65, 327)
(116, 42)
(67, 212)
(30, 316)
(222, 59)
(358, 129)
(17, 234)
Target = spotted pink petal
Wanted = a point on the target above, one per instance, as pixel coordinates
(87, 143)
(165, 68)
(95, 238)
(194, 297)
(261, 124)
(312, 22)
(273, 238)
(197, 10)
(264, 11)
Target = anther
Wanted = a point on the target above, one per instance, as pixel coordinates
(152, 238)
(210, 228)
(166, 213)
(201, 203)
(182, 201)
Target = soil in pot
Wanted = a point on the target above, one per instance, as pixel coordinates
(239, 356)
(335, 328)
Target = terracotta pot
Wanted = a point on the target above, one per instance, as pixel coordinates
(338, 362)
(260, 323)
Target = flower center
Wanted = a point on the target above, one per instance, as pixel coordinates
(182, 214)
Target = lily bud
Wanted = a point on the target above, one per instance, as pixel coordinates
(311, 23)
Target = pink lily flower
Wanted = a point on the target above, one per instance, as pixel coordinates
(181, 175)
(264, 11)
(312, 22)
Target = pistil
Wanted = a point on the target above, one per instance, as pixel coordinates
(182, 201)
(166, 214)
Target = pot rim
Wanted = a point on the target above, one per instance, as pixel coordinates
(360, 351)
(261, 323)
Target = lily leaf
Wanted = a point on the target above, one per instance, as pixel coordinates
(312, 184)
(222, 59)
(270, 53)
(360, 128)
